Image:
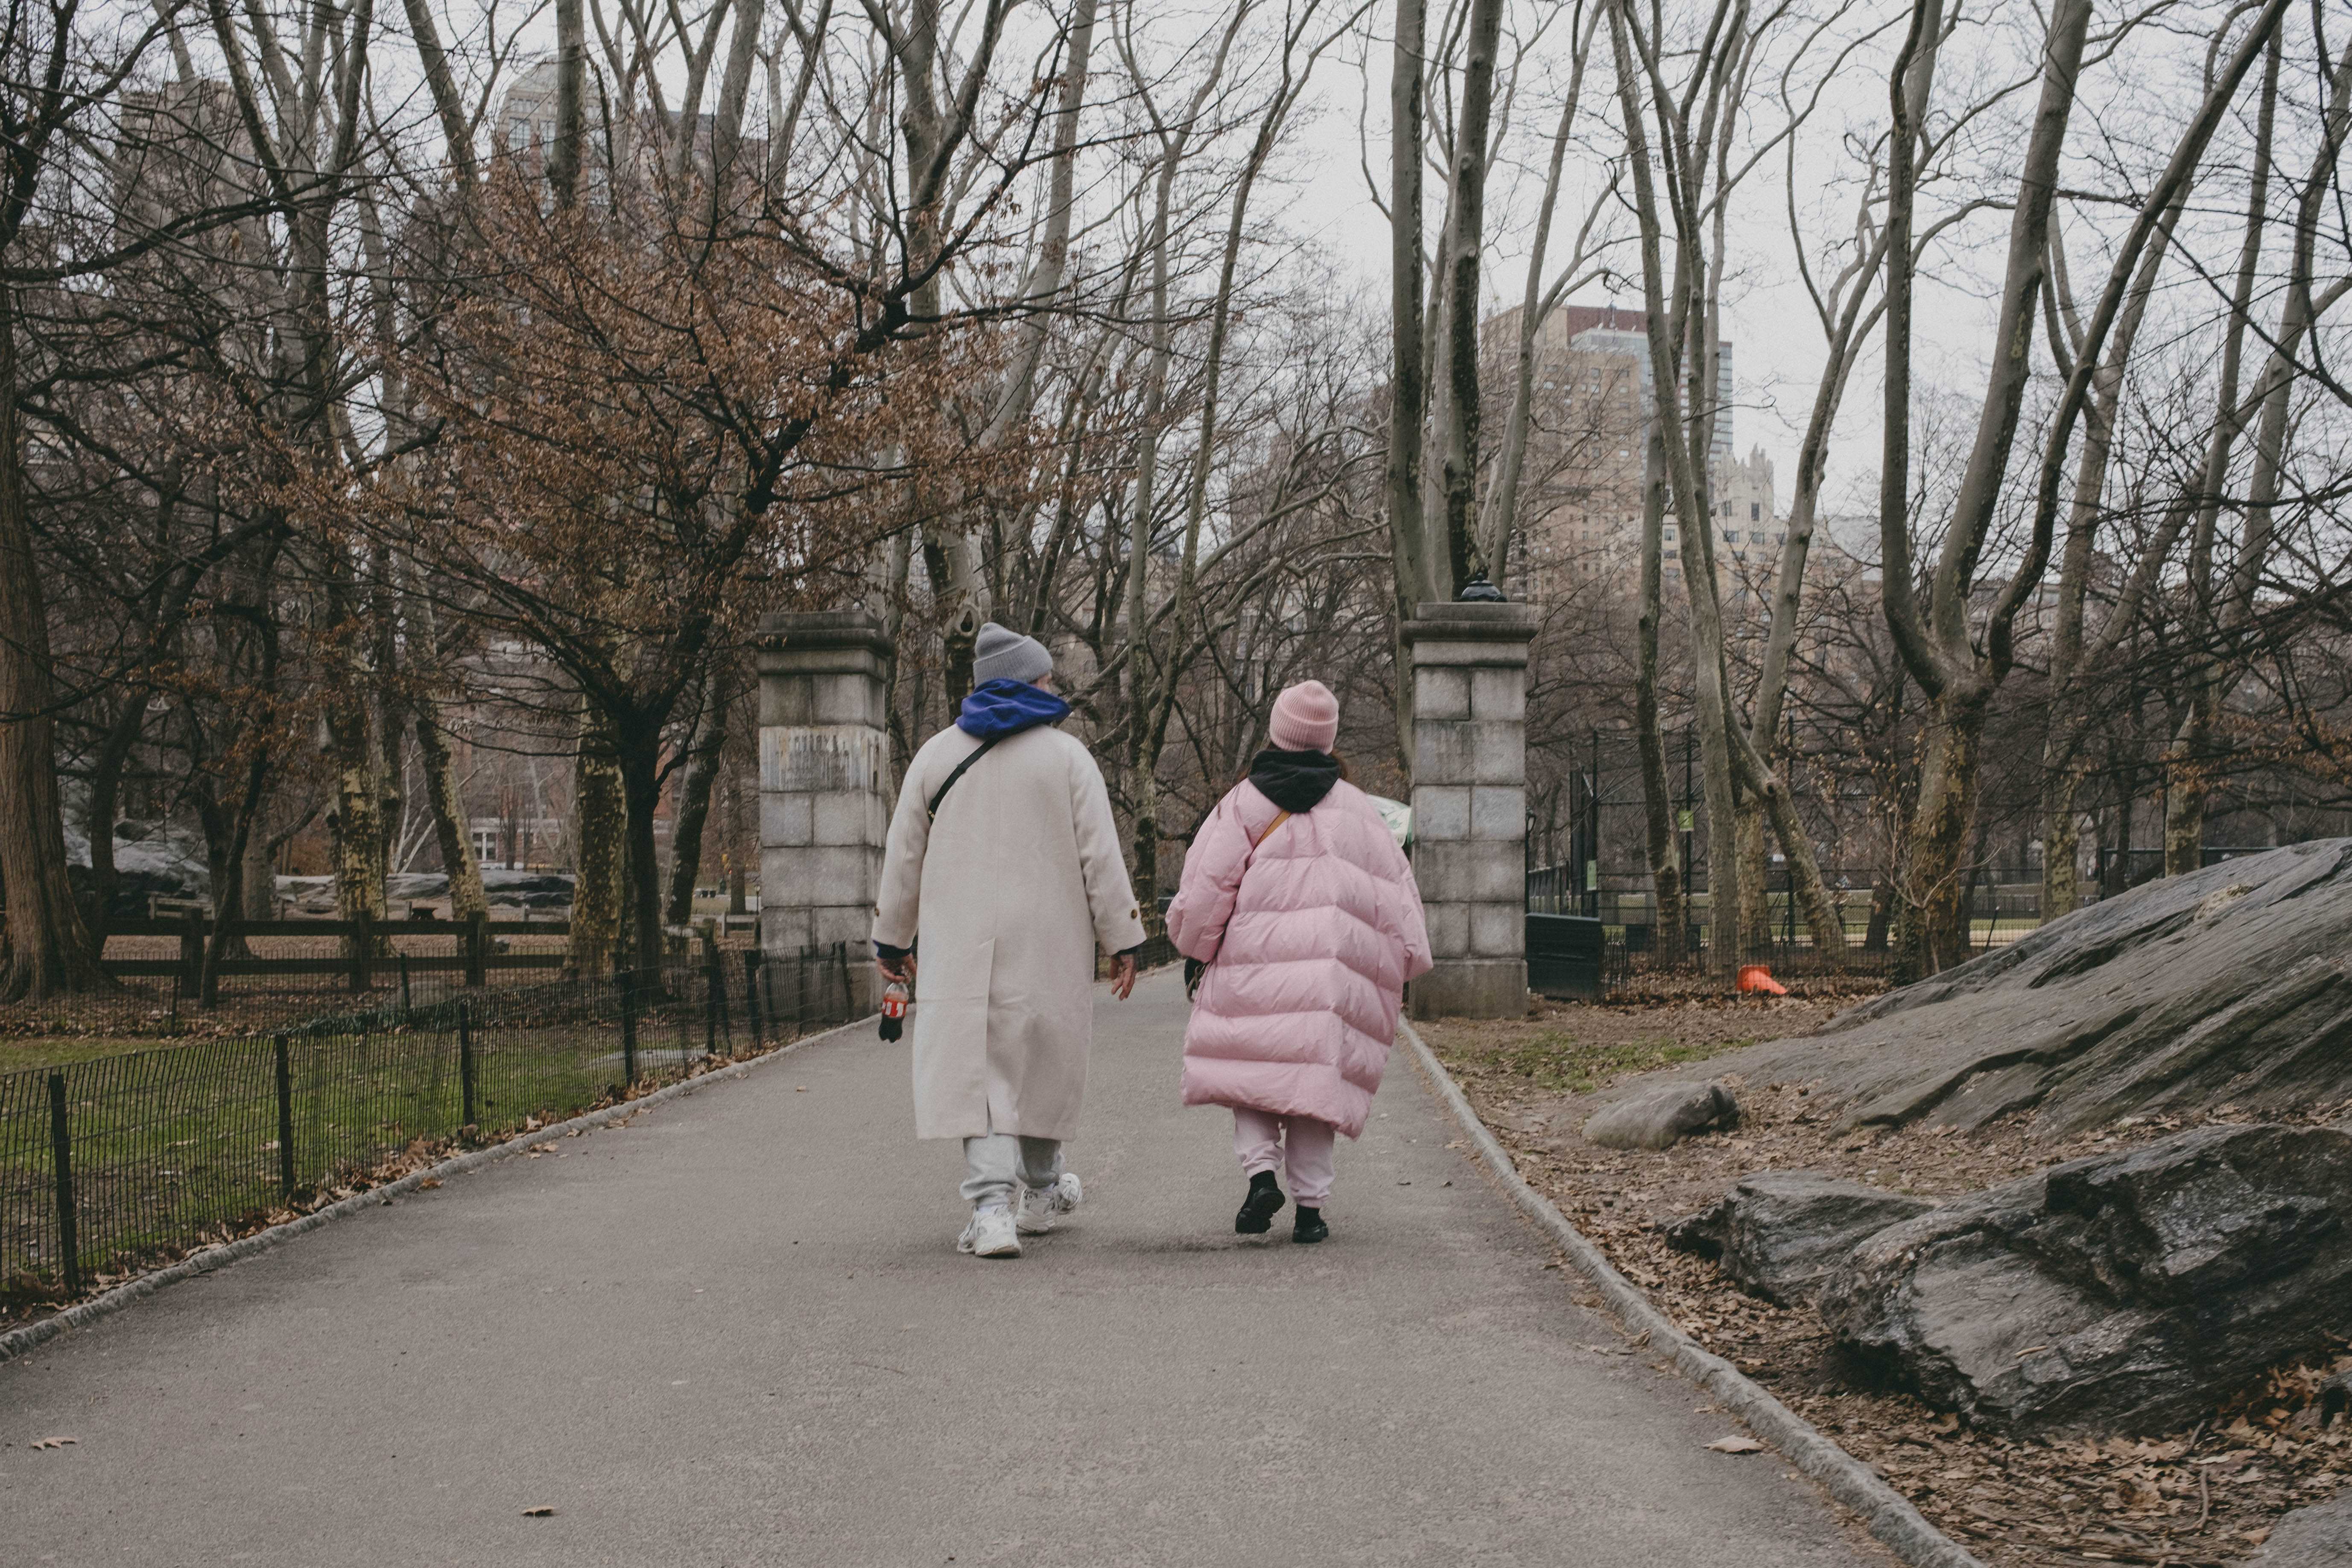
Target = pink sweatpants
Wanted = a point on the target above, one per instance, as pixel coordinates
(1265, 1142)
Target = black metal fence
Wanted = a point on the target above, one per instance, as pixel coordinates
(110, 1165)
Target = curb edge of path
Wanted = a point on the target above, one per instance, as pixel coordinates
(18, 1341)
(1889, 1514)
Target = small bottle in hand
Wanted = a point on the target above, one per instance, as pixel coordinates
(893, 1009)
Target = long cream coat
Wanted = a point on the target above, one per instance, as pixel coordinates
(1011, 890)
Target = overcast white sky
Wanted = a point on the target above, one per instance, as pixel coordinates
(1777, 342)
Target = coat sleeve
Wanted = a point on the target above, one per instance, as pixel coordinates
(1212, 880)
(1412, 925)
(1110, 896)
(1415, 931)
(898, 909)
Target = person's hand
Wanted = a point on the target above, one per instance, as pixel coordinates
(905, 971)
(1122, 976)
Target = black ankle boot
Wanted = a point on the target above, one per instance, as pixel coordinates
(1309, 1226)
(1257, 1211)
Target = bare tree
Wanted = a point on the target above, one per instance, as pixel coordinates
(1938, 645)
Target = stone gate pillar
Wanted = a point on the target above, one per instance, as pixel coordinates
(824, 786)
(1470, 805)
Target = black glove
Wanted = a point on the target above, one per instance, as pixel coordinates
(1193, 970)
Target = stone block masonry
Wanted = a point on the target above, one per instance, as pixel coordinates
(825, 785)
(1469, 804)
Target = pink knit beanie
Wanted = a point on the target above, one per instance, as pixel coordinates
(1305, 717)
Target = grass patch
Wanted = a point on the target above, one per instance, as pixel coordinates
(1555, 1059)
(61, 1050)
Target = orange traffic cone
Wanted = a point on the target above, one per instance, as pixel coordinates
(1757, 977)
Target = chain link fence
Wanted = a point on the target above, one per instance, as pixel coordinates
(110, 1166)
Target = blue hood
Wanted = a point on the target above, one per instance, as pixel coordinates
(999, 708)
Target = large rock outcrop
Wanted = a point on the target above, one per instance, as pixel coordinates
(2119, 1293)
(2231, 984)
(1783, 1233)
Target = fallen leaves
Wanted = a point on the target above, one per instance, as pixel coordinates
(1737, 1446)
(51, 1442)
(539, 1510)
(2196, 1498)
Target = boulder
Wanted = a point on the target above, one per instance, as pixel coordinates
(1655, 1117)
(2319, 1536)
(2231, 984)
(1782, 1232)
(2124, 1293)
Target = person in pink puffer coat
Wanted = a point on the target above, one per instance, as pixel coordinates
(1300, 919)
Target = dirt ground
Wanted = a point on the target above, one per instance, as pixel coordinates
(2207, 1494)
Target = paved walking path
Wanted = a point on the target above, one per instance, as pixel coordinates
(735, 1332)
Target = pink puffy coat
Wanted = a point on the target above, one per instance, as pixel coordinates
(1307, 954)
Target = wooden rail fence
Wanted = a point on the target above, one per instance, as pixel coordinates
(366, 949)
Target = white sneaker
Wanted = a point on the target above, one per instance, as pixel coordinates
(1041, 1206)
(990, 1235)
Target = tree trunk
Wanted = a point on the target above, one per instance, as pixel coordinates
(1722, 826)
(451, 827)
(224, 872)
(359, 788)
(1657, 794)
(1143, 788)
(734, 93)
(105, 791)
(47, 949)
(229, 881)
(258, 877)
(2062, 842)
(640, 760)
(1824, 917)
(1408, 545)
(599, 851)
(1755, 876)
(571, 101)
(358, 819)
(2187, 791)
(1928, 935)
(1143, 757)
(1466, 207)
(694, 789)
(1882, 914)
(448, 102)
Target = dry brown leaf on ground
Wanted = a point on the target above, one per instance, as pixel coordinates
(1737, 1446)
(52, 1442)
(539, 1510)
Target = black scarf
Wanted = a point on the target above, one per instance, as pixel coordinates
(1294, 781)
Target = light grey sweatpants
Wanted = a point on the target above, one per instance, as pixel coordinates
(992, 1165)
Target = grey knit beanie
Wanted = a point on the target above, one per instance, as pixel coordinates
(1005, 654)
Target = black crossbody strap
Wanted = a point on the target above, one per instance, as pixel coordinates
(978, 751)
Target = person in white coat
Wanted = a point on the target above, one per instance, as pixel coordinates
(1001, 874)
